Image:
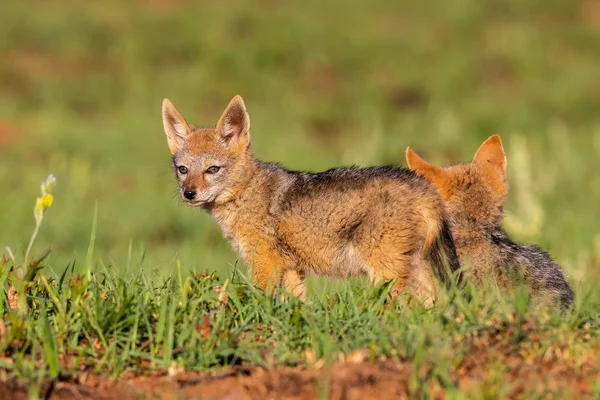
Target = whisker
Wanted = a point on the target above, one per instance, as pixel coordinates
(174, 194)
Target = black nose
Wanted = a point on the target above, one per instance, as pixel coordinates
(189, 194)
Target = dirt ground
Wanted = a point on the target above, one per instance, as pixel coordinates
(478, 372)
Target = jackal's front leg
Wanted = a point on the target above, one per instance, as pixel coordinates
(270, 268)
(266, 267)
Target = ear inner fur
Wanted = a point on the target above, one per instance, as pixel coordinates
(491, 159)
(234, 124)
(175, 126)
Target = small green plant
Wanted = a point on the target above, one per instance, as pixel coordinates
(20, 275)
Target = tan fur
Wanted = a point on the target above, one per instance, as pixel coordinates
(288, 224)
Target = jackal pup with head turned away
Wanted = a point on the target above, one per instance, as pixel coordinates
(385, 222)
(475, 194)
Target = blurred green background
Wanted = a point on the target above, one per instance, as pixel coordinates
(325, 83)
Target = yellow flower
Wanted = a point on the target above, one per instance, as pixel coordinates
(47, 201)
(42, 204)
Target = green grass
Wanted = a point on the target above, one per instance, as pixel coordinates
(109, 325)
(325, 84)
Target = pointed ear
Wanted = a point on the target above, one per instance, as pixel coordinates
(422, 167)
(491, 159)
(438, 177)
(491, 154)
(234, 125)
(176, 128)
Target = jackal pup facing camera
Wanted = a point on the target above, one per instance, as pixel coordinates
(475, 194)
(385, 222)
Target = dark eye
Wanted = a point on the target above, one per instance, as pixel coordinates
(182, 170)
(213, 170)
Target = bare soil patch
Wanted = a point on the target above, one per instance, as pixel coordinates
(550, 373)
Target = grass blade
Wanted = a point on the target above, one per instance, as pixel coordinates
(90, 251)
(49, 343)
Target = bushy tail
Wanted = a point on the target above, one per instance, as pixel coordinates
(442, 256)
(538, 269)
(550, 280)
